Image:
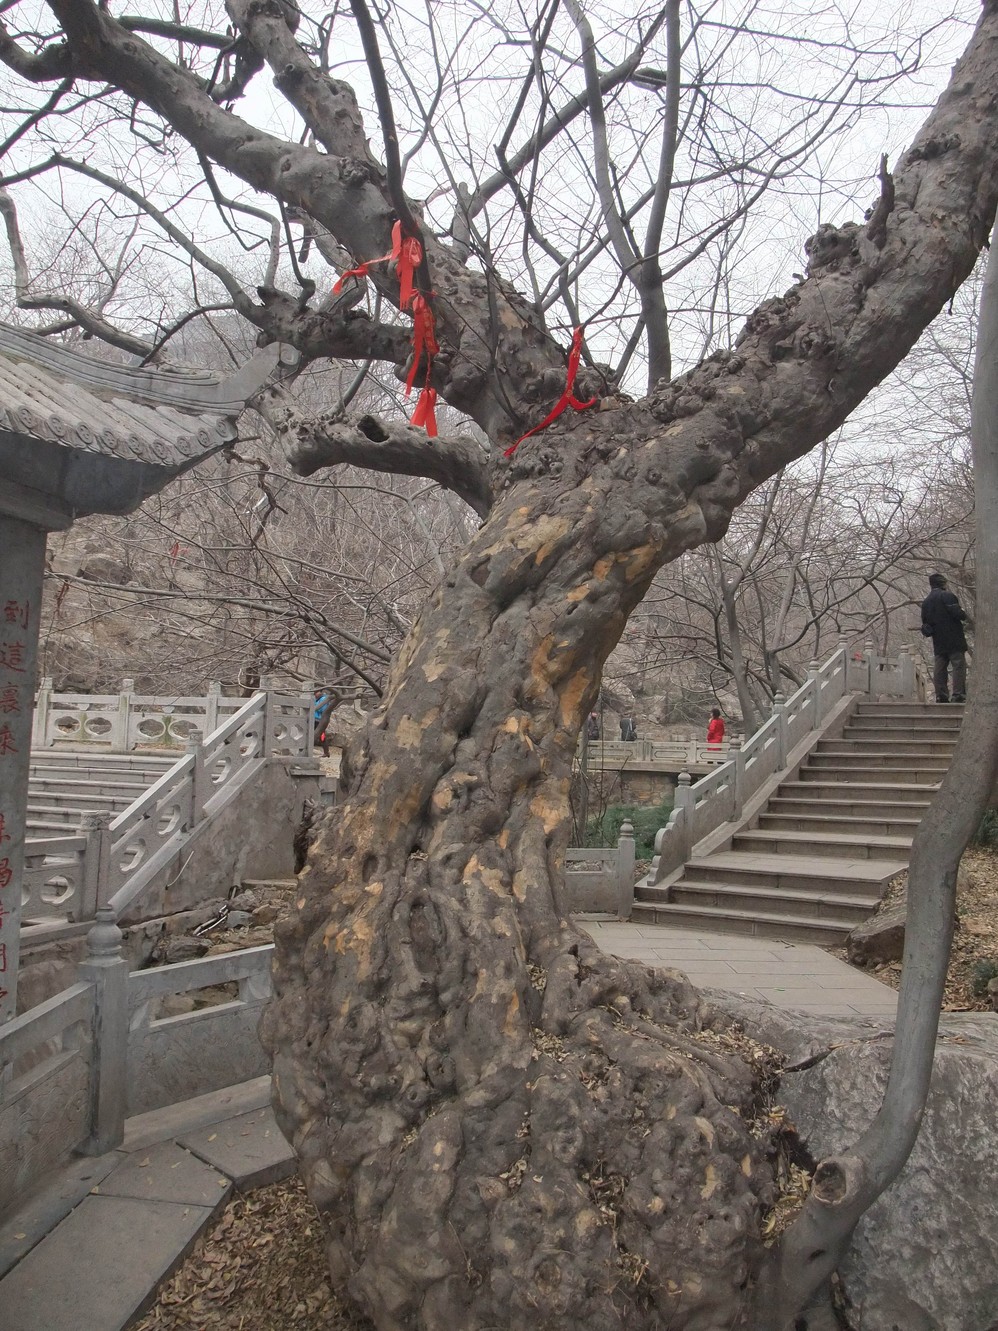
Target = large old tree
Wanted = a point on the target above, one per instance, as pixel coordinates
(501, 1126)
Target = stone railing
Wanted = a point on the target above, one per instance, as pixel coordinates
(115, 860)
(703, 806)
(73, 1068)
(600, 880)
(668, 755)
(126, 722)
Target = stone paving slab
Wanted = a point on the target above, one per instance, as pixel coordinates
(101, 1267)
(54, 1200)
(796, 976)
(166, 1173)
(250, 1149)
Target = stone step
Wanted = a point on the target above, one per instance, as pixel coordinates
(860, 746)
(837, 845)
(845, 911)
(879, 755)
(795, 873)
(58, 799)
(825, 772)
(846, 805)
(868, 727)
(910, 792)
(805, 820)
(950, 714)
(97, 785)
(794, 929)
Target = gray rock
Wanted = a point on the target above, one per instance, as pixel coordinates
(183, 947)
(176, 1005)
(925, 1256)
(266, 914)
(237, 919)
(244, 900)
(878, 939)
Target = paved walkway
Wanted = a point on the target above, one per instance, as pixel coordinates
(789, 975)
(89, 1251)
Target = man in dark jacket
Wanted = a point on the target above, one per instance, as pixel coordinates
(942, 621)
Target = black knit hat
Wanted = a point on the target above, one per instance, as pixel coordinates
(936, 580)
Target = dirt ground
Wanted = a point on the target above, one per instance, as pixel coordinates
(974, 960)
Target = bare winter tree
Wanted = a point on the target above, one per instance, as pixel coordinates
(500, 1125)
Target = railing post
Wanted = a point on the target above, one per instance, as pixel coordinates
(738, 758)
(625, 870)
(906, 667)
(211, 707)
(869, 653)
(40, 721)
(96, 859)
(814, 675)
(107, 970)
(120, 739)
(200, 785)
(266, 738)
(684, 801)
(780, 712)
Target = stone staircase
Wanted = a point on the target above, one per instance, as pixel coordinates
(64, 786)
(816, 859)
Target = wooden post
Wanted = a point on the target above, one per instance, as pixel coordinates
(107, 970)
(21, 569)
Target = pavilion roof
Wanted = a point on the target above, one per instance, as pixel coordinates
(157, 417)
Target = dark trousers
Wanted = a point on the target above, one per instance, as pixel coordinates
(940, 676)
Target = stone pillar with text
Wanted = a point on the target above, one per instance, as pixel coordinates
(22, 564)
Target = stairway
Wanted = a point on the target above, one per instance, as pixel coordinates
(815, 861)
(63, 786)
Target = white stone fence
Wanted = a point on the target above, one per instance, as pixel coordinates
(701, 807)
(74, 1068)
(599, 880)
(668, 755)
(114, 860)
(126, 722)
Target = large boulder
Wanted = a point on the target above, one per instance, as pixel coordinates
(925, 1256)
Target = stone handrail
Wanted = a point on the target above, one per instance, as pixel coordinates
(116, 1056)
(671, 755)
(703, 806)
(601, 878)
(117, 859)
(125, 722)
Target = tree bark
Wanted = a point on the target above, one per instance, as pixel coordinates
(500, 1125)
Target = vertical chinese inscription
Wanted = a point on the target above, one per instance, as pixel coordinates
(21, 568)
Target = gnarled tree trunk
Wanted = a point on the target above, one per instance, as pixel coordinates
(501, 1125)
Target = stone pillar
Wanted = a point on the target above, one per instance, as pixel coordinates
(625, 870)
(107, 970)
(23, 546)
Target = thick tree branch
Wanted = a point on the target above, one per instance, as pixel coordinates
(454, 461)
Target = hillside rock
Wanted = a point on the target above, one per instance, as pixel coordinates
(925, 1256)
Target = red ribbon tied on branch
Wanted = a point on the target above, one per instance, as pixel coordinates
(567, 399)
(407, 254)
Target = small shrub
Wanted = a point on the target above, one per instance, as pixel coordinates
(981, 974)
(646, 822)
(987, 833)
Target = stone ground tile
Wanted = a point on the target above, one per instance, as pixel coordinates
(101, 1267)
(165, 1173)
(54, 1200)
(250, 1149)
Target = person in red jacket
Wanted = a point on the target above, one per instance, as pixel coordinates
(715, 729)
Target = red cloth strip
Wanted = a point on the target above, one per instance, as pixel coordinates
(425, 413)
(567, 399)
(424, 339)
